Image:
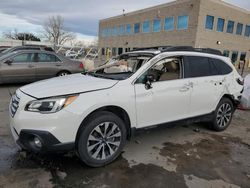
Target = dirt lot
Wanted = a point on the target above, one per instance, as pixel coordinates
(180, 156)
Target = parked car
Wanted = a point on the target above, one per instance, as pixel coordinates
(26, 47)
(94, 113)
(33, 65)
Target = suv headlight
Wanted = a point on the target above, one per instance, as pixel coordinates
(50, 105)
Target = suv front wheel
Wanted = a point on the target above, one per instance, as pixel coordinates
(101, 139)
(223, 115)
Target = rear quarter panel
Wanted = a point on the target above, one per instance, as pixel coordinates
(72, 66)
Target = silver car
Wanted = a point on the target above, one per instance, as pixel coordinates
(33, 65)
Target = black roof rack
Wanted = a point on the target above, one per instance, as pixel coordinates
(140, 49)
(191, 49)
(209, 51)
(34, 45)
(181, 48)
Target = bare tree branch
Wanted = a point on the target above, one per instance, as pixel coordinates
(55, 31)
(15, 35)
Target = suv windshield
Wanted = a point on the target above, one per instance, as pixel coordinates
(122, 67)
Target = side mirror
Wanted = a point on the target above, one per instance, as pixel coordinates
(148, 82)
(8, 62)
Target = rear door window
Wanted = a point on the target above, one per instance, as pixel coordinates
(221, 67)
(196, 66)
(43, 57)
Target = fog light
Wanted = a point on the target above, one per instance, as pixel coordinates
(37, 142)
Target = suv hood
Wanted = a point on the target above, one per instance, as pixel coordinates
(66, 85)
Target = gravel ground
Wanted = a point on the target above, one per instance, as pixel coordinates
(180, 156)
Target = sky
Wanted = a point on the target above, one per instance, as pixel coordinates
(80, 16)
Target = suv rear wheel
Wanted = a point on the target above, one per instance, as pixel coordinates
(223, 115)
(102, 139)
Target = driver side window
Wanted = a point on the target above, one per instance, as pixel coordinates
(164, 70)
(23, 58)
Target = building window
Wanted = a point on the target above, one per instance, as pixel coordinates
(115, 31)
(146, 27)
(121, 30)
(247, 31)
(234, 57)
(128, 29)
(226, 53)
(157, 25)
(220, 25)
(182, 22)
(106, 32)
(120, 50)
(113, 51)
(210, 22)
(103, 32)
(169, 24)
(239, 29)
(103, 51)
(127, 49)
(243, 56)
(137, 28)
(110, 31)
(230, 26)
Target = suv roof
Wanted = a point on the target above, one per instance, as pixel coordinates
(160, 49)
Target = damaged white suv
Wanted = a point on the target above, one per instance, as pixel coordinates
(95, 112)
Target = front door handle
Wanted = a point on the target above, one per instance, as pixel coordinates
(58, 65)
(184, 89)
(31, 66)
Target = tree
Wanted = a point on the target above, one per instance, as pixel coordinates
(55, 31)
(21, 36)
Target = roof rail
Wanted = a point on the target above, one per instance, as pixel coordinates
(191, 49)
(178, 48)
(152, 48)
(209, 51)
(34, 45)
(141, 49)
(181, 48)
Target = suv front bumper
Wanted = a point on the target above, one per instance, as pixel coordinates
(42, 142)
(54, 132)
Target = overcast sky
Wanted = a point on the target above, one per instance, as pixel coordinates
(81, 16)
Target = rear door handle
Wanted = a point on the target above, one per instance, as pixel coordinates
(58, 65)
(31, 66)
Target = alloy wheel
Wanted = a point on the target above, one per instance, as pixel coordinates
(224, 115)
(103, 141)
(63, 74)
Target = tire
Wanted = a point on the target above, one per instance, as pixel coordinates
(223, 115)
(63, 73)
(97, 147)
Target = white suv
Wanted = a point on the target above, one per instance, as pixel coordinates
(95, 112)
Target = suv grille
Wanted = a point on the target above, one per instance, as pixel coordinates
(14, 104)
